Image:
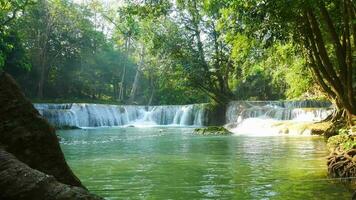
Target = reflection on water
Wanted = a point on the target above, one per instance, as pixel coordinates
(172, 163)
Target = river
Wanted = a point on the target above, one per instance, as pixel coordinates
(173, 163)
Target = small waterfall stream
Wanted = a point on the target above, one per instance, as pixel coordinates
(259, 117)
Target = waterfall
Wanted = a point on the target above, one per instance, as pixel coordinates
(259, 117)
(100, 115)
(241, 116)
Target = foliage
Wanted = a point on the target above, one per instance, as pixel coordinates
(323, 30)
(11, 52)
(157, 52)
(343, 140)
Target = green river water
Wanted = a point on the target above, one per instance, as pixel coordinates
(172, 163)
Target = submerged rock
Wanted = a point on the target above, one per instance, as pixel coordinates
(32, 140)
(67, 127)
(212, 130)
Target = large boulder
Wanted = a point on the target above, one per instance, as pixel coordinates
(29, 137)
(20, 182)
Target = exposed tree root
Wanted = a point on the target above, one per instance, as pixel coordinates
(342, 164)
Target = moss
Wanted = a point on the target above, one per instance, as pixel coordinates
(343, 140)
(212, 130)
(337, 140)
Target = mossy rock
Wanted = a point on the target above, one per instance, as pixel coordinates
(336, 141)
(212, 130)
(342, 141)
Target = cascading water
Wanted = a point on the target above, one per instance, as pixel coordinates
(99, 115)
(242, 117)
(259, 117)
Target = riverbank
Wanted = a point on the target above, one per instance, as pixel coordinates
(341, 143)
(342, 159)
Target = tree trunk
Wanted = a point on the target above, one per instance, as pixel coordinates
(152, 88)
(122, 85)
(135, 86)
(114, 89)
(334, 76)
(136, 82)
(43, 48)
(150, 101)
(41, 81)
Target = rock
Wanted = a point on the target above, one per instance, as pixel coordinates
(67, 127)
(30, 138)
(212, 130)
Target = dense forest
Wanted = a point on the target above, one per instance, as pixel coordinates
(179, 52)
(119, 79)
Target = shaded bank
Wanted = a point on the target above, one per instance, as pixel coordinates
(30, 151)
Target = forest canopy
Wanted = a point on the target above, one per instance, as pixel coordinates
(180, 51)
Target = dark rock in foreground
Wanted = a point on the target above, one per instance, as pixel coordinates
(20, 182)
(30, 154)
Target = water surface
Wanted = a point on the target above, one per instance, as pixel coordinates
(172, 163)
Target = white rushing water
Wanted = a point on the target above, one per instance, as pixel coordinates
(242, 117)
(261, 117)
(100, 115)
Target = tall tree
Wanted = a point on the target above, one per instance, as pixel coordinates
(326, 31)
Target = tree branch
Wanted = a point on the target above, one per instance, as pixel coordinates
(14, 13)
(338, 48)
